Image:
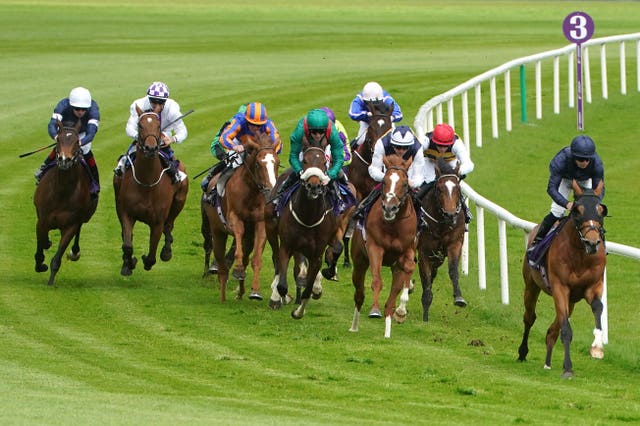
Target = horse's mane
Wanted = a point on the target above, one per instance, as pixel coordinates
(445, 167)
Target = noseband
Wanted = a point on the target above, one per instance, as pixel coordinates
(589, 221)
(68, 134)
(450, 216)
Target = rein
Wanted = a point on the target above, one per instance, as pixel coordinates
(443, 214)
(262, 188)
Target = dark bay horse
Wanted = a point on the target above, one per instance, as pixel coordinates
(390, 240)
(241, 214)
(63, 201)
(444, 235)
(305, 227)
(358, 170)
(146, 193)
(574, 268)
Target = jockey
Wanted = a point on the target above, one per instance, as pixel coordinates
(342, 132)
(371, 92)
(578, 161)
(315, 126)
(444, 143)
(176, 132)
(402, 142)
(217, 151)
(78, 106)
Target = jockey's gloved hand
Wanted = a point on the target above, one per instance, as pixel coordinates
(462, 176)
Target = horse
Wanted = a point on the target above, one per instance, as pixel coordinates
(442, 210)
(63, 201)
(146, 193)
(390, 241)
(358, 170)
(241, 214)
(573, 270)
(306, 226)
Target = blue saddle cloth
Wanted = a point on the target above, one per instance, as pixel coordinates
(536, 255)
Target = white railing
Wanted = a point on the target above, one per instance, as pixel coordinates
(424, 122)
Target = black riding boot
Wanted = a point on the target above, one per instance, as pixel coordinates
(288, 183)
(544, 227)
(366, 203)
(217, 168)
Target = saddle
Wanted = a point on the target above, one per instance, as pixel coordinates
(537, 255)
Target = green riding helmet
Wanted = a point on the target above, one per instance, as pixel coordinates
(317, 119)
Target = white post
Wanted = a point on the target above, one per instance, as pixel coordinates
(603, 70)
(623, 69)
(451, 114)
(571, 82)
(538, 90)
(478, 116)
(556, 85)
(482, 267)
(494, 108)
(465, 118)
(507, 100)
(504, 265)
(587, 75)
(605, 311)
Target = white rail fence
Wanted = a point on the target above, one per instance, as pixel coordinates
(424, 122)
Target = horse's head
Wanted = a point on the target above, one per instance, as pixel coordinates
(262, 160)
(395, 185)
(149, 133)
(588, 216)
(67, 145)
(379, 121)
(314, 171)
(447, 189)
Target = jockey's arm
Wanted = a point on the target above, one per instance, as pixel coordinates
(295, 148)
(337, 154)
(460, 151)
(416, 171)
(376, 168)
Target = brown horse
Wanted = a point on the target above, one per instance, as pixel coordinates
(390, 241)
(146, 193)
(305, 227)
(443, 237)
(574, 269)
(241, 214)
(63, 201)
(358, 170)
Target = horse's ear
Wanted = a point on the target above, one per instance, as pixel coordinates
(577, 189)
(59, 124)
(457, 169)
(138, 110)
(599, 188)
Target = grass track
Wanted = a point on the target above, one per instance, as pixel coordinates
(159, 347)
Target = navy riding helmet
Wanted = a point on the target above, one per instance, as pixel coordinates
(583, 146)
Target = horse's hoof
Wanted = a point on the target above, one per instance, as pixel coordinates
(42, 268)
(133, 263)
(148, 263)
(239, 275)
(375, 313)
(411, 286)
(125, 272)
(296, 315)
(213, 269)
(288, 299)
(329, 274)
(567, 375)
(166, 254)
(316, 296)
(459, 301)
(275, 304)
(301, 282)
(73, 256)
(254, 295)
(596, 352)
(399, 317)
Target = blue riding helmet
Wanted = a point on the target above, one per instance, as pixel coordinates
(583, 146)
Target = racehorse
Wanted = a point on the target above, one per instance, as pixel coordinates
(305, 227)
(146, 193)
(241, 214)
(390, 241)
(573, 270)
(63, 201)
(358, 170)
(444, 234)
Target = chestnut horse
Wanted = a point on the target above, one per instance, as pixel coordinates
(146, 193)
(63, 201)
(358, 170)
(241, 214)
(305, 227)
(574, 269)
(443, 237)
(390, 241)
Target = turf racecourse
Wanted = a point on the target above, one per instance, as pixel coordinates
(159, 348)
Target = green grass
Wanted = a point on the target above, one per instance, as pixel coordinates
(159, 348)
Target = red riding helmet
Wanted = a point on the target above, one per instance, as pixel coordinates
(443, 134)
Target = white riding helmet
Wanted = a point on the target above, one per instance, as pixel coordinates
(402, 136)
(372, 91)
(80, 97)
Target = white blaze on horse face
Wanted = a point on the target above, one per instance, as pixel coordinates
(394, 179)
(270, 163)
(380, 122)
(450, 187)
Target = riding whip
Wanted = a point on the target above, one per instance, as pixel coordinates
(37, 150)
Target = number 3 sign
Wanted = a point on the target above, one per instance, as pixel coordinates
(578, 28)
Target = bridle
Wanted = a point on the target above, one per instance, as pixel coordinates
(390, 210)
(67, 135)
(589, 221)
(147, 151)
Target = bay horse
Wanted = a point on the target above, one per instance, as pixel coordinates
(574, 268)
(305, 228)
(442, 210)
(390, 240)
(241, 214)
(146, 193)
(63, 201)
(380, 124)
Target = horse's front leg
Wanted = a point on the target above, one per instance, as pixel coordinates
(314, 281)
(42, 243)
(74, 254)
(166, 253)
(65, 238)
(531, 294)
(454, 253)
(597, 347)
(426, 280)
(404, 270)
(375, 261)
(260, 240)
(237, 225)
(154, 239)
(128, 260)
